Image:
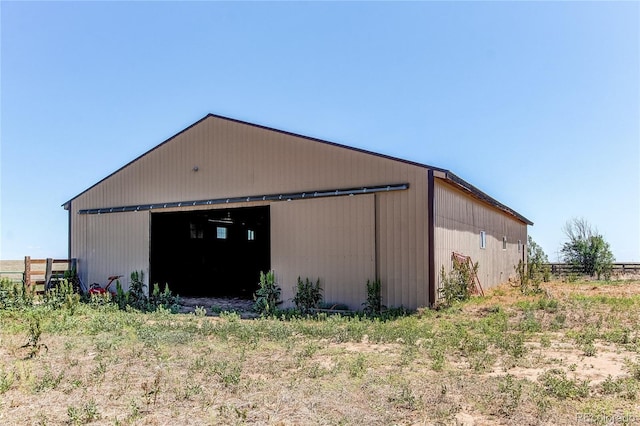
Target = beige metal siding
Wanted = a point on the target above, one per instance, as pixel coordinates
(331, 239)
(111, 244)
(459, 219)
(236, 159)
(403, 247)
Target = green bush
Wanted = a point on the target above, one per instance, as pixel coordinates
(373, 304)
(136, 298)
(62, 295)
(308, 296)
(267, 297)
(557, 384)
(458, 285)
(14, 295)
(538, 268)
(587, 249)
(164, 299)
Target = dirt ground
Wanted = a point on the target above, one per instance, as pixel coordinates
(609, 360)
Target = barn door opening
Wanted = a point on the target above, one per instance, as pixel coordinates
(211, 253)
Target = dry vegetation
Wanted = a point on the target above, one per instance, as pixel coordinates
(568, 356)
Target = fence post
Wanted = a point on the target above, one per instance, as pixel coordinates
(48, 272)
(27, 272)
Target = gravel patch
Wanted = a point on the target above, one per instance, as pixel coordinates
(214, 306)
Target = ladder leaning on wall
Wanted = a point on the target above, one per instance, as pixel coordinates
(466, 260)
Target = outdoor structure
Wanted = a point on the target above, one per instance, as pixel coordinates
(210, 207)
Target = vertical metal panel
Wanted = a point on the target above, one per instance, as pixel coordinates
(403, 244)
(112, 244)
(459, 220)
(331, 239)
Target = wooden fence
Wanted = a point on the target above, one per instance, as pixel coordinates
(618, 269)
(36, 273)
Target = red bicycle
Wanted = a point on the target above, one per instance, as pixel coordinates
(96, 288)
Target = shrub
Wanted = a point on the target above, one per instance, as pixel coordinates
(137, 299)
(587, 249)
(308, 295)
(535, 271)
(164, 299)
(61, 295)
(509, 395)
(71, 276)
(458, 285)
(267, 297)
(557, 384)
(373, 305)
(538, 268)
(14, 295)
(35, 332)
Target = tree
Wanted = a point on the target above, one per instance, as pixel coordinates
(538, 261)
(536, 270)
(586, 248)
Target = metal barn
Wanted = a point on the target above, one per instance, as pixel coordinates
(223, 199)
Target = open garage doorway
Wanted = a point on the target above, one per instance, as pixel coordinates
(211, 253)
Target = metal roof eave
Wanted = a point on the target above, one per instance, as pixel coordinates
(466, 186)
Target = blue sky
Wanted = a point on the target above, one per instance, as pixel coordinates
(536, 103)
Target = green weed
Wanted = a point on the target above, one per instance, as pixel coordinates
(623, 387)
(357, 366)
(509, 395)
(404, 397)
(557, 384)
(228, 372)
(267, 297)
(6, 380)
(308, 295)
(48, 381)
(530, 323)
(634, 369)
(14, 295)
(85, 413)
(373, 305)
(35, 332)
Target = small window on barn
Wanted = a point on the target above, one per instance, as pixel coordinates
(483, 239)
(196, 231)
(251, 235)
(504, 243)
(221, 232)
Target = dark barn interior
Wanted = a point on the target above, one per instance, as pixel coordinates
(210, 253)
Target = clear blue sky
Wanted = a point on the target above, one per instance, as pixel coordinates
(536, 103)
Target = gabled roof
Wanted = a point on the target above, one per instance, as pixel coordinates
(443, 173)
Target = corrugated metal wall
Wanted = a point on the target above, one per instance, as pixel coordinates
(459, 219)
(332, 239)
(236, 159)
(110, 244)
